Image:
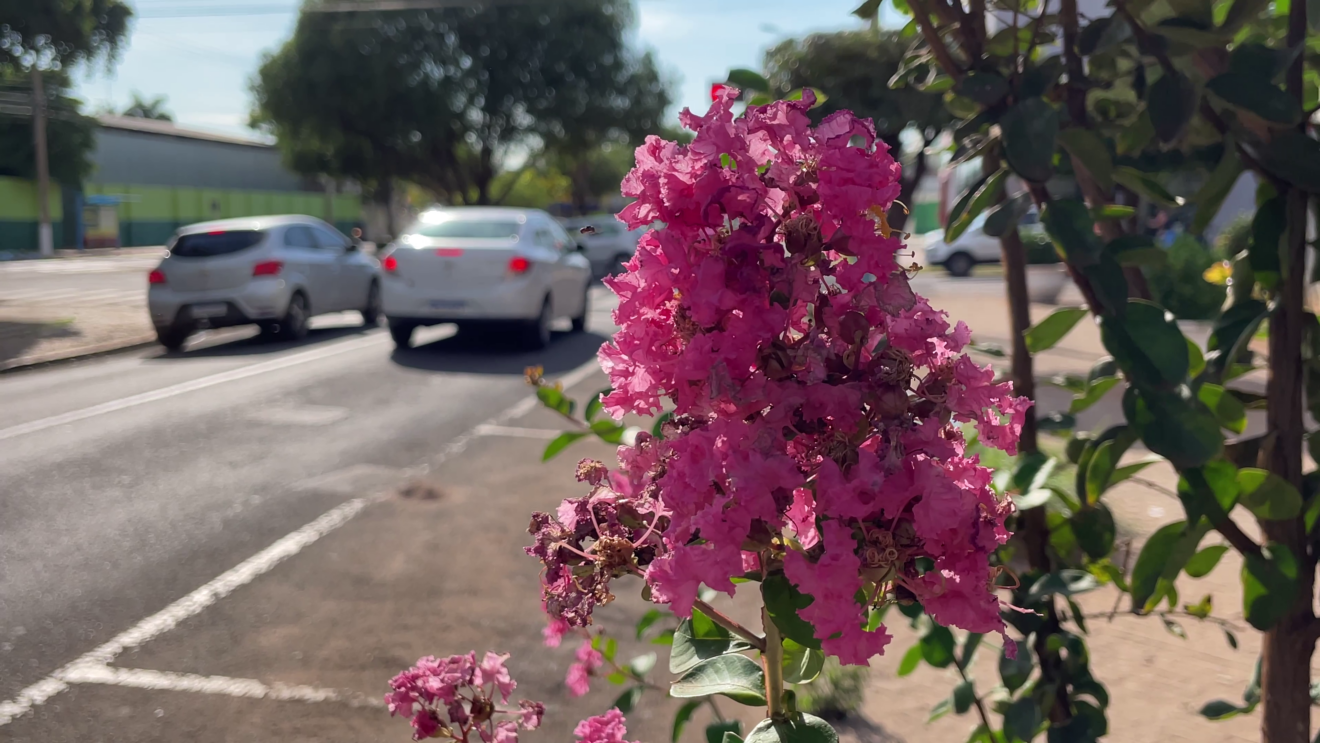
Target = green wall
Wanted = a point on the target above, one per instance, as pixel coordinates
(148, 215)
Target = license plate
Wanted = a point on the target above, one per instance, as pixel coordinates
(447, 304)
(215, 309)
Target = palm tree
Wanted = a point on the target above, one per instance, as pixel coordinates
(141, 108)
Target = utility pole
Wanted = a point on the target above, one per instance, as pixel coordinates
(45, 236)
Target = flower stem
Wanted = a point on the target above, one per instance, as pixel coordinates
(980, 705)
(772, 658)
(716, 616)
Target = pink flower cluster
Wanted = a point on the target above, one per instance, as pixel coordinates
(816, 400)
(579, 673)
(455, 697)
(606, 728)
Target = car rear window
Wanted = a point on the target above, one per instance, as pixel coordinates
(208, 244)
(473, 228)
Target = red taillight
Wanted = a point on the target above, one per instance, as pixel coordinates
(390, 263)
(449, 252)
(156, 277)
(267, 268)
(519, 264)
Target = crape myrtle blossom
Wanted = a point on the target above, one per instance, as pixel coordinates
(606, 728)
(816, 402)
(456, 697)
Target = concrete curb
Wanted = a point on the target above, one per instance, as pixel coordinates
(81, 352)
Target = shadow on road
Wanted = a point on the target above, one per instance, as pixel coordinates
(258, 345)
(17, 337)
(488, 353)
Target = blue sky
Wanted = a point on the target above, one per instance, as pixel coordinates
(201, 54)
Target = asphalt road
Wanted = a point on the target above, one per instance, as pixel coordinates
(128, 481)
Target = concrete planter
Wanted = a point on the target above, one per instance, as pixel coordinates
(1045, 282)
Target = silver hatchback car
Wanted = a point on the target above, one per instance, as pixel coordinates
(274, 271)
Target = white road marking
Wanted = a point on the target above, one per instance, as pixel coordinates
(516, 432)
(93, 667)
(299, 415)
(139, 678)
(163, 393)
(83, 265)
(188, 606)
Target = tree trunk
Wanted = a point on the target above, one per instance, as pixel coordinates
(907, 190)
(1287, 647)
(485, 174)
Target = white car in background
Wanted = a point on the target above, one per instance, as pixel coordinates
(972, 247)
(610, 243)
(512, 269)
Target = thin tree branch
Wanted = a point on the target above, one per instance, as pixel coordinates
(921, 12)
(719, 618)
(980, 705)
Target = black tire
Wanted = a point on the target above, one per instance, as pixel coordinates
(959, 264)
(371, 313)
(616, 264)
(173, 338)
(294, 325)
(580, 320)
(536, 333)
(402, 333)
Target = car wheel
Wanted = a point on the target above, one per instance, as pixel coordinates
(536, 335)
(173, 338)
(959, 264)
(293, 326)
(371, 312)
(402, 333)
(580, 320)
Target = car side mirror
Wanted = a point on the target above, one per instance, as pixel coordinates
(351, 248)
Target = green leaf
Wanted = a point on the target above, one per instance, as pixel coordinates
(801, 729)
(627, 700)
(594, 404)
(1267, 495)
(984, 196)
(1227, 408)
(609, 431)
(1095, 530)
(937, 646)
(1069, 224)
(866, 11)
(796, 95)
(1147, 344)
(986, 88)
(911, 659)
(1204, 561)
(782, 602)
(1021, 720)
(801, 663)
(682, 717)
(1014, 672)
(1135, 137)
(735, 676)
(1210, 490)
(560, 443)
(657, 429)
(748, 80)
(1221, 710)
(1006, 214)
(1092, 395)
(1056, 421)
(1215, 189)
(724, 732)
(1112, 211)
(1098, 471)
(962, 202)
(1145, 185)
(1151, 561)
(1065, 582)
(1029, 131)
(963, 696)
(1294, 157)
(1240, 12)
(1048, 332)
(969, 647)
(555, 399)
(698, 639)
(1196, 359)
(1089, 149)
(648, 619)
(1171, 102)
(1269, 585)
(1256, 96)
(1129, 470)
(941, 708)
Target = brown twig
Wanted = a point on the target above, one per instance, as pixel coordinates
(724, 621)
(921, 12)
(1225, 526)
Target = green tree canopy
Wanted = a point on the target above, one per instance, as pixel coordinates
(853, 69)
(440, 97)
(57, 33)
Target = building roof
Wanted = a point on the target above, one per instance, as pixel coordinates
(170, 129)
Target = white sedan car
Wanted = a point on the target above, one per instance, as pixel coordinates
(516, 269)
(972, 247)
